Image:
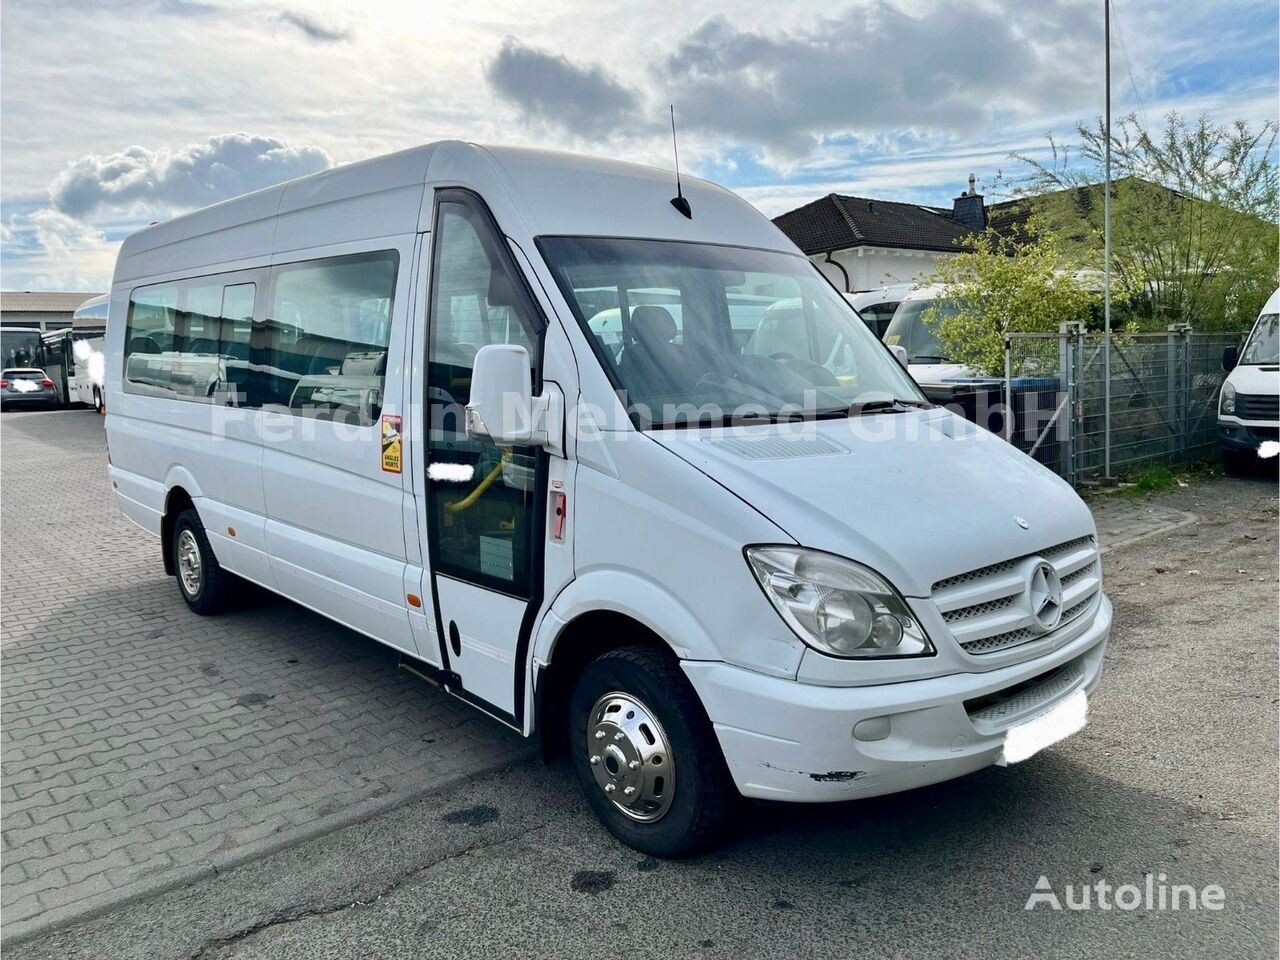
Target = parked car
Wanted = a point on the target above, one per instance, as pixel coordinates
(1249, 405)
(648, 546)
(26, 387)
(876, 307)
(926, 360)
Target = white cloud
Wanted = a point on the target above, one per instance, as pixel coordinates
(62, 246)
(48, 250)
(161, 181)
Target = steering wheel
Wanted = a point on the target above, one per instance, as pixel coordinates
(815, 373)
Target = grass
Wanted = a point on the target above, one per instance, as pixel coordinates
(1150, 480)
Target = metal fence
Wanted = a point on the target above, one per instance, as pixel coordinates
(1051, 402)
(1164, 392)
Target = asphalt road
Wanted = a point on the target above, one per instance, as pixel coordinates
(1176, 774)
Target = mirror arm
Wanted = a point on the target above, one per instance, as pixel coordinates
(548, 420)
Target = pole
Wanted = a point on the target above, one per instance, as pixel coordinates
(1106, 260)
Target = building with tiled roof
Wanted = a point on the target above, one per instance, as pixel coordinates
(861, 243)
(45, 311)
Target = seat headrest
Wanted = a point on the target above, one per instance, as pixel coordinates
(652, 325)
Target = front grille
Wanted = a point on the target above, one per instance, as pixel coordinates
(1257, 406)
(988, 609)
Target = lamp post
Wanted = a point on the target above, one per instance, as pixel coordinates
(1106, 259)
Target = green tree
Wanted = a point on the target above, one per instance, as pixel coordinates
(1193, 217)
(1001, 285)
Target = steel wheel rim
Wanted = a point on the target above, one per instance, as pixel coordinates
(189, 565)
(630, 757)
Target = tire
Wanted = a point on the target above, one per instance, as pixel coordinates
(98, 405)
(204, 585)
(689, 807)
(1236, 464)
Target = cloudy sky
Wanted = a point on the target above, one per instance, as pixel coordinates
(115, 114)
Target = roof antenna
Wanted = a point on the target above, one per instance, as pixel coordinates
(678, 201)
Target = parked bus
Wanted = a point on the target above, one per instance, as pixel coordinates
(20, 346)
(378, 391)
(71, 358)
(90, 353)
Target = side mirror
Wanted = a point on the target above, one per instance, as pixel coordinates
(900, 354)
(1230, 357)
(502, 407)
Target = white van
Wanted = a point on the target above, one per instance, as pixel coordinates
(702, 562)
(876, 307)
(926, 360)
(1249, 405)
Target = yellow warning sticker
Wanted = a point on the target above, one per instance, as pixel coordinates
(391, 443)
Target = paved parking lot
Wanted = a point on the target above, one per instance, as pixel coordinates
(145, 748)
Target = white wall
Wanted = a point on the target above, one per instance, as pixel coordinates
(871, 267)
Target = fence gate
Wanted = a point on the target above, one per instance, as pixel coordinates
(1164, 392)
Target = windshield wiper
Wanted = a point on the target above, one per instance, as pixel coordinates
(896, 405)
(925, 358)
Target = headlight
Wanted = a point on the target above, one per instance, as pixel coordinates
(837, 606)
(1228, 399)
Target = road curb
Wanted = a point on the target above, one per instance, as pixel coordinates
(1187, 519)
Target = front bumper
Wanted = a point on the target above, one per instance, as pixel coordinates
(1245, 437)
(785, 740)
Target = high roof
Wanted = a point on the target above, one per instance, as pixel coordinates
(29, 301)
(531, 193)
(836, 222)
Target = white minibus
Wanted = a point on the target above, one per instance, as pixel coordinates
(704, 552)
(1249, 403)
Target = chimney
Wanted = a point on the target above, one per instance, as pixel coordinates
(968, 209)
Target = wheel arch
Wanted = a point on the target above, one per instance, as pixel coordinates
(175, 501)
(577, 644)
(596, 613)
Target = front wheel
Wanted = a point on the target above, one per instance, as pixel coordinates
(646, 756)
(98, 403)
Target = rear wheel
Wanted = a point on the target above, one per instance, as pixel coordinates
(646, 756)
(98, 403)
(204, 585)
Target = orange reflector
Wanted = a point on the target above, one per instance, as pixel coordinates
(414, 600)
(231, 531)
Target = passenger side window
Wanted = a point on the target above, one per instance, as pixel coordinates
(327, 337)
(149, 336)
(196, 369)
(480, 495)
(234, 329)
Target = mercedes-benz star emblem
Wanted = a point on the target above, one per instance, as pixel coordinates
(1021, 522)
(1044, 592)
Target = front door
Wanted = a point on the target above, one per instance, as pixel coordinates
(484, 530)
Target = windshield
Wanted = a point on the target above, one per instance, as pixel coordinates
(695, 333)
(1264, 344)
(908, 330)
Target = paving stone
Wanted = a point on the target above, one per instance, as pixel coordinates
(112, 693)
